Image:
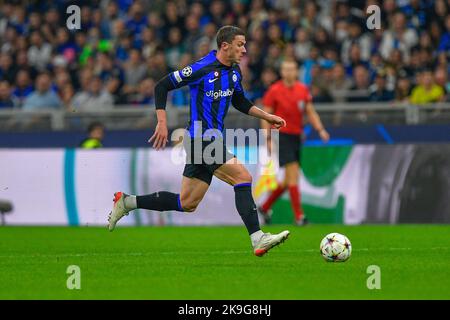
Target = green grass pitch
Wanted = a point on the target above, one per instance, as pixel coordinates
(217, 263)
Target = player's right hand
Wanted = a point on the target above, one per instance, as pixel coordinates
(159, 138)
(276, 121)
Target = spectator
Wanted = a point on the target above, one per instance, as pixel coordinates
(43, 97)
(7, 69)
(202, 49)
(67, 93)
(145, 94)
(111, 16)
(65, 47)
(175, 47)
(360, 89)
(302, 45)
(444, 43)
(23, 86)
(256, 91)
(442, 80)
(157, 66)
(427, 91)
(123, 48)
(62, 79)
(217, 11)
(378, 90)
(198, 11)
(356, 37)
(50, 26)
(321, 77)
(113, 86)
(39, 53)
(172, 19)
(22, 63)
(34, 22)
(417, 13)
(107, 69)
(313, 19)
(6, 99)
(435, 32)
(441, 13)
(193, 34)
(403, 89)
(9, 39)
(134, 72)
(95, 98)
(149, 42)
(340, 83)
(305, 70)
(210, 31)
(136, 21)
(96, 133)
(399, 36)
(355, 59)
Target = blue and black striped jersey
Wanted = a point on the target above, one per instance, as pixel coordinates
(213, 86)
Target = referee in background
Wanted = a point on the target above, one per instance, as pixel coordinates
(290, 99)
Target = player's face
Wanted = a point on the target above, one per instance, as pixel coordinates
(289, 71)
(237, 49)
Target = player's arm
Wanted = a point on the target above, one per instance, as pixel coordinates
(314, 118)
(244, 105)
(264, 124)
(266, 128)
(170, 82)
(160, 137)
(272, 120)
(240, 102)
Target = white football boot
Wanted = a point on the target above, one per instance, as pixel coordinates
(118, 211)
(268, 241)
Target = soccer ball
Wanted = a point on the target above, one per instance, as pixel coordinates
(335, 247)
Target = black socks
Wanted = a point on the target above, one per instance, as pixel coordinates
(246, 206)
(160, 201)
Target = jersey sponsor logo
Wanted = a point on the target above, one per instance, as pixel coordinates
(219, 94)
(187, 71)
(212, 80)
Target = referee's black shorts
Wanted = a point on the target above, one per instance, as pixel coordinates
(201, 164)
(289, 148)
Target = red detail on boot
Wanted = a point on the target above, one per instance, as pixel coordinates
(117, 196)
(273, 197)
(294, 193)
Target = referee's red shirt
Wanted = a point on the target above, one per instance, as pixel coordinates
(288, 103)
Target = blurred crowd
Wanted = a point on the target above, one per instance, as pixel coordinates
(124, 47)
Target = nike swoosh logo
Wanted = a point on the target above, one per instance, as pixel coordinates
(212, 80)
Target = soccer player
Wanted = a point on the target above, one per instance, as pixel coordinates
(290, 99)
(214, 81)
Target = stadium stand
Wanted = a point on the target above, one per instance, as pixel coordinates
(109, 66)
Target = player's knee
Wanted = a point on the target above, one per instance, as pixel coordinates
(291, 180)
(245, 177)
(189, 209)
(189, 205)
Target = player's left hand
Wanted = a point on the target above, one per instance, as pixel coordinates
(159, 138)
(323, 134)
(276, 121)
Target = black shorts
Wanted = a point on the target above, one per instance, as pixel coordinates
(289, 147)
(201, 164)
